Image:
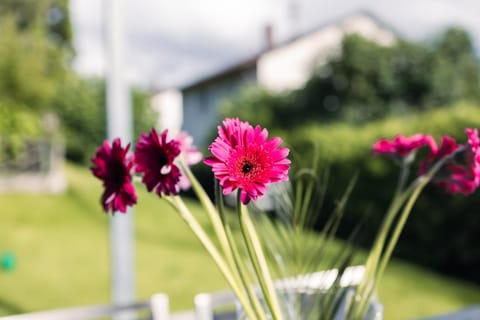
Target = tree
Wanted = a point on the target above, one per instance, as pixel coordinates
(80, 105)
(455, 69)
(34, 46)
(51, 15)
(368, 81)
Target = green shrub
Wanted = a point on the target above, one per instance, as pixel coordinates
(17, 124)
(442, 229)
(368, 81)
(81, 108)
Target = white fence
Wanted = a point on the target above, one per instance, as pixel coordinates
(207, 306)
(157, 308)
(211, 306)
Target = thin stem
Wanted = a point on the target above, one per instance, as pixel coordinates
(402, 179)
(178, 204)
(237, 260)
(379, 261)
(211, 212)
(422, 181)
(258, 259)
(400, 196)
(374, 257)
(398, 229)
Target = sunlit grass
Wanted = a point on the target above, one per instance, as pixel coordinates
(61, 244)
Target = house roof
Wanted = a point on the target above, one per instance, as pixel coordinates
(251, 61)
(225, 72)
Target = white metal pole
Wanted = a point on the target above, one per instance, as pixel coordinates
(119, 124)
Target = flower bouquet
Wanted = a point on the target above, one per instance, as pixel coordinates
(269, 257)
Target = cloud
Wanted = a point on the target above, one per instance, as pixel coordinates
(173, 42)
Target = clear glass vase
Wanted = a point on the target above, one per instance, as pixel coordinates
(301, 305)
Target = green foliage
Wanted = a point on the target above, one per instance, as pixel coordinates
(80, 106)
(49, 15)
(339, 110)
(15, 128)
(21, 122)
(455, 70)
(257, 105)
(368, 81)
(30, 66)
(441, 230)
(26, 68)
(36, 228)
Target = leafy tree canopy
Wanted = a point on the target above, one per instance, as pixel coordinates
(368, 81)
(35, 49)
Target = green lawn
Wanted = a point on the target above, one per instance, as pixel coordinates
(61, 246)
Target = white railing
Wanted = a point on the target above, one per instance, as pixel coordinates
(207, 306)
(157, 308)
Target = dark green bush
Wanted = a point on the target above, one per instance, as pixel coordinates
(340, 110)
(442, 231)
(17, 124)
(368, 81)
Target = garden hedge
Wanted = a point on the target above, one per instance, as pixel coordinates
(442, 231)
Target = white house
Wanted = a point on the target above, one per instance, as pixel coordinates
(283, 66)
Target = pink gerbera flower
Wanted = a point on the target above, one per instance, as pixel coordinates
(191, 155)
(154, 157)
(112, 166)
(461, 174)
(244, 158)
(402, 146)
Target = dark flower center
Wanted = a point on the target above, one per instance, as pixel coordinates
(247, 167)
(162, 160)
(117, 173)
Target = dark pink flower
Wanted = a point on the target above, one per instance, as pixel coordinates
(191, 155)
(244, 158)
(402, 146)
(112, 166)
(461, 174)
(154, 157)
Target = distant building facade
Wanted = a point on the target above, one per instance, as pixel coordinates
(285, 66)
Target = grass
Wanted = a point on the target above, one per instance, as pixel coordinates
(61, 246)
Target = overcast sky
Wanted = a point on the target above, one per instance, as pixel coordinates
(172, 42)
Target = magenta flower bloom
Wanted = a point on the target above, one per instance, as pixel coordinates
(154, 157)
(244, 158)
(461, 174)
(191, 155)
(113, 167)
(402, 146)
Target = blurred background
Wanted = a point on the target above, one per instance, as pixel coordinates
(333, 75)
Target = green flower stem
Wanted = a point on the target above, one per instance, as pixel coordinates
(375, 254)
(398, 229)
(419, 184)
(251, 294)
(238, 262)
(378, 259)
(298, 199)
(404, 171)
(365, 289)
(220, 228)
(397, 202)
(213, 215)
(385, 257)
(305, 204)
(178, 204)
(258, 259)
(221, 233)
